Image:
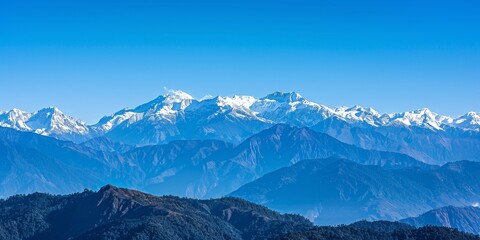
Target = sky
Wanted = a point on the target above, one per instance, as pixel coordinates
(92, 58)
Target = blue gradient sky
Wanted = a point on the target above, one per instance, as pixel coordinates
(91, 58)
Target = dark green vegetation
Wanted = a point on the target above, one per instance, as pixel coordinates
(115, 213)
(379, 231)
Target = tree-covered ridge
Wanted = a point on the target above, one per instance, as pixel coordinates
(380, 230)
(116, 213)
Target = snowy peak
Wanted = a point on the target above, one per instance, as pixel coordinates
(469, 121)
(164, 117)
(172, 100)
(165, 107)
(16, 119)
(358, 114)
(284, 97)
(48, 121)
(45, 119)
(238, 107)
(178, 95)
(419, 118)
(236, 102)
(51, 120)
(290, 108)
(177, 100)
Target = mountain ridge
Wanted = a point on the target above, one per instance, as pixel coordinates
(335, 191)
(193, 168)
(119, 213)
(465, 219)
(276, 107)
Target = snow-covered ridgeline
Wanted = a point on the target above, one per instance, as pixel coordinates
(278, 107)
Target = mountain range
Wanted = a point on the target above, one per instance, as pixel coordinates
(48, 122)
(193, 168)
(331, 165)
(267, 168)
(178, 116)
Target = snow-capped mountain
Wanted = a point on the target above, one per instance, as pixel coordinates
(176, 115)
(150, 123)
(167, 112)
(358, 114)
(48, 122)
(165, 108)
(234, 107)
(469, 121)
(16, 119)
(290, 108)
(418, 118)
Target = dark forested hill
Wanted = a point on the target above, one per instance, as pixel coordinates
(380, 230)
(116, 213)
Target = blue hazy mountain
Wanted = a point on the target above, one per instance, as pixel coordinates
(176, 168)
(465, 219)
(31, 162)
(281, 146)
(428, 145)
(334, 191)
(194, 168)
(105, 144)
(267, 168)
(211, 168)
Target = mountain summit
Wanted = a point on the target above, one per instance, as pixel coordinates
(284, 97)
(49, 122)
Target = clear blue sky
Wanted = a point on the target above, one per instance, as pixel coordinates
(92, 58)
